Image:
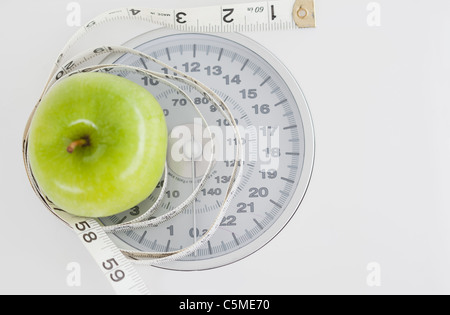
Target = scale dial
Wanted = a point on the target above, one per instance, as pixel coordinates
(278, 139)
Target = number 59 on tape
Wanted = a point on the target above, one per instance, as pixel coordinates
(117, 269)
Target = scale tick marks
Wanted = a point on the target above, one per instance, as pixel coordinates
(276, 203)
(287, 180)
(143, 63)
(269, 215)
(245, 64)
(258, 224)
(235, 239)
(265, 81)
(284, 193)
(275, 90)
(282, 102)
(142, 237)
(210, 248)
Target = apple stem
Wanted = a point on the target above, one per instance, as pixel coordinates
(77, 143)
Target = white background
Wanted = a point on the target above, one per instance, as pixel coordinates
(380, 191)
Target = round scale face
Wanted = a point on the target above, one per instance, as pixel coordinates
(276, 131)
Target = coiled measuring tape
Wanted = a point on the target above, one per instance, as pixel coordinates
(259, 16)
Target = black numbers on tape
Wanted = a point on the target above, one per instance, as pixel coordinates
(109, 264)
(116, 275)
(82, 226)
(273, 12)
(88, 237)
(71, 64)
(180, 17)
(92, 23)
(135, 12)
(101, 50)
(135, 211)
(59, 75)
(227, 15)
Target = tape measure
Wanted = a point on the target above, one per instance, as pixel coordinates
(200, 192)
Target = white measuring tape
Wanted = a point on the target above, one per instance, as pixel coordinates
(258, 16)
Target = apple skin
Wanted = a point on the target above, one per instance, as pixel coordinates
(125, 158)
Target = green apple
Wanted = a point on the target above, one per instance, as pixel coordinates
(97, 144)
